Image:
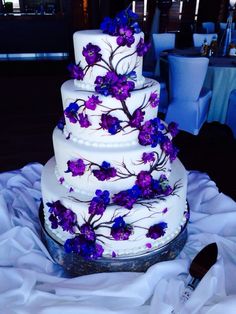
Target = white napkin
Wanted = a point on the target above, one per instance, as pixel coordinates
(32, 283)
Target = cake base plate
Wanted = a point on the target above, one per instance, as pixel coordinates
(75, 265)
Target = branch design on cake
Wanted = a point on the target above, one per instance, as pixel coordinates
(87, 237)
(105, 171)
(78, 111)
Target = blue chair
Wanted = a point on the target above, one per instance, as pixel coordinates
(189, 101)
(224, 25)
(208, 27)
(162, 42)
(198, 38)
(231, 112)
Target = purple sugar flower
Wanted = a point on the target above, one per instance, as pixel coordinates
(112, 124)
(91, 54)
(92, 102)
(62, 216)
(173, 128)
(76, 167)
(137, 118)
(89, 250)
(109, 26)
(71, 112)
(142, 47)
(105, 172)
(76, 72)
(99, 202)
(83, 120)
(128, 197)
(121, 90)
(120, 230)
(125, 37)
(161, 186)
(168, 147)
(104, 83)
(122, 19)
(88, 232)
(154, 100)
(144, 179)
(156, 231)
(148, 157)
(151, 132)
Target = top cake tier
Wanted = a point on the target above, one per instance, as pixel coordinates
(97, 53)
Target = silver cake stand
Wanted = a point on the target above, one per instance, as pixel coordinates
(75, 265)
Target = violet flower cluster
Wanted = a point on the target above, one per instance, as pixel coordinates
(120, 230)
(156, 231)
(146, 187)
(99, 202)
(76, 167)
(124, 20)
(105, 172)
(62, 216)
(85, 245)
(116, 85)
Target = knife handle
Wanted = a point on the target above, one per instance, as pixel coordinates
(189, 290)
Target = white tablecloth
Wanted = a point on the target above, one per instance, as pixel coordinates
(30, 282)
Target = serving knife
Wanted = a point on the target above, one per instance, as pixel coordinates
(200, 265)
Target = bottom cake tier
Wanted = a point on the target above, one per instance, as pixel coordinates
(115, 232)
(75, 265)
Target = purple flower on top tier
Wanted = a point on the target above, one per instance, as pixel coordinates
(120, 230)
(168, 147)
(89, 250)
(76, 71)
(88, 232)
(173, 128)
(128, 197)
(154, 99)
(83, 120)
(148, 157)
(137, 118)
(125, 37)
(92, 102)
(122, 19)
(71, 112)
(91, 54)
(99, 202)
(112, 124)
(156, 231)
(76, 167)
(61, 216)
(105, 172)
(142, 47)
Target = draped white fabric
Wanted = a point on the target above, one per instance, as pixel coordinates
(30, 282)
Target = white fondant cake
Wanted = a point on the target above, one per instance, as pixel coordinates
(115, 186)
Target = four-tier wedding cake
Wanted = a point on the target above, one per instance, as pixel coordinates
(115, 187)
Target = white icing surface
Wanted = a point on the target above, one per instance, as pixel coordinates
(139, 216)
(125, 58)
(138, 97)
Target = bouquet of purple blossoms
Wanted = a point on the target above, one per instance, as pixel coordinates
(124, 20)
